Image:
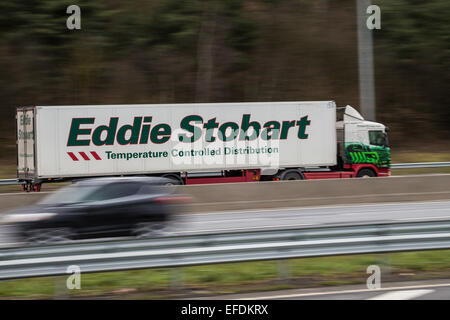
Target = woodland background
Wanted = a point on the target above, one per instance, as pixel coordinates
(179, 51)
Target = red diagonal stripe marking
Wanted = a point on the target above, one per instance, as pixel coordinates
(85, 157)
(74, 158)
(95, 155)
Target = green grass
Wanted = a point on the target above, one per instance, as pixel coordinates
(234, 277)
(45, 187)
(403, 157)
(402, 172)
(8, 171)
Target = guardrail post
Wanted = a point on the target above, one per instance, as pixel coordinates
(176, 279)
(383, 259)
(384, 262)
(60, 291)
(284, 270)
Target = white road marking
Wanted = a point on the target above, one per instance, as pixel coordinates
(422, 218)
(297, 295)
(402, 295)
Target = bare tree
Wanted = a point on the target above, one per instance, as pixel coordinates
(205, 52)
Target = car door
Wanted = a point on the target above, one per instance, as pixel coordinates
(110, 209)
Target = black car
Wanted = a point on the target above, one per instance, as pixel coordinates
(101, 207)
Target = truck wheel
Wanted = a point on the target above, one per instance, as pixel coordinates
(292, 175)
(365, 173)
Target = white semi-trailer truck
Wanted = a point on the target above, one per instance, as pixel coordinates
(199, 143)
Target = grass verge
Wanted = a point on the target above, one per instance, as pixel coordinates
(405, 157)
(235, 277)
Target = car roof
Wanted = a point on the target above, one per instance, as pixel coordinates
(109, 180)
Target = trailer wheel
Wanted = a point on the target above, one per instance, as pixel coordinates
(175, 180)
(365, 173)
(291, 175)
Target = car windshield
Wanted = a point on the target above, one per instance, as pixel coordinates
(70, 194)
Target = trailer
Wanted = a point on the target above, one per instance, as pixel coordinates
(199, 143)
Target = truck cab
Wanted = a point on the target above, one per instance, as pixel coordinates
(363, 146)
(362, 151)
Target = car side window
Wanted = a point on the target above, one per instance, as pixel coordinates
(113, 191)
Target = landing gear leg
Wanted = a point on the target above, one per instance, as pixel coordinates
(28, 187)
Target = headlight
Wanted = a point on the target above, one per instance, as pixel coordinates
(28, 217)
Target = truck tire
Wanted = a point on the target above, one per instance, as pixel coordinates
(291, 175)
(365, 173)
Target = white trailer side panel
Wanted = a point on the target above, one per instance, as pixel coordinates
(297, 142)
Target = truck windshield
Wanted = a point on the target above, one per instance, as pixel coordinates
(378, 138)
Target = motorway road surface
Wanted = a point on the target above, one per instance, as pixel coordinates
(300, 217)
(312, 216)
(419, 290)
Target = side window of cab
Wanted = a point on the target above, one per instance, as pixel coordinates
(377, 138)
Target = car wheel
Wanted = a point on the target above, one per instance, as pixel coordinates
(150, 229)
(53, 235)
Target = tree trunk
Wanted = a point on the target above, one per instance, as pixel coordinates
(205, 50)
